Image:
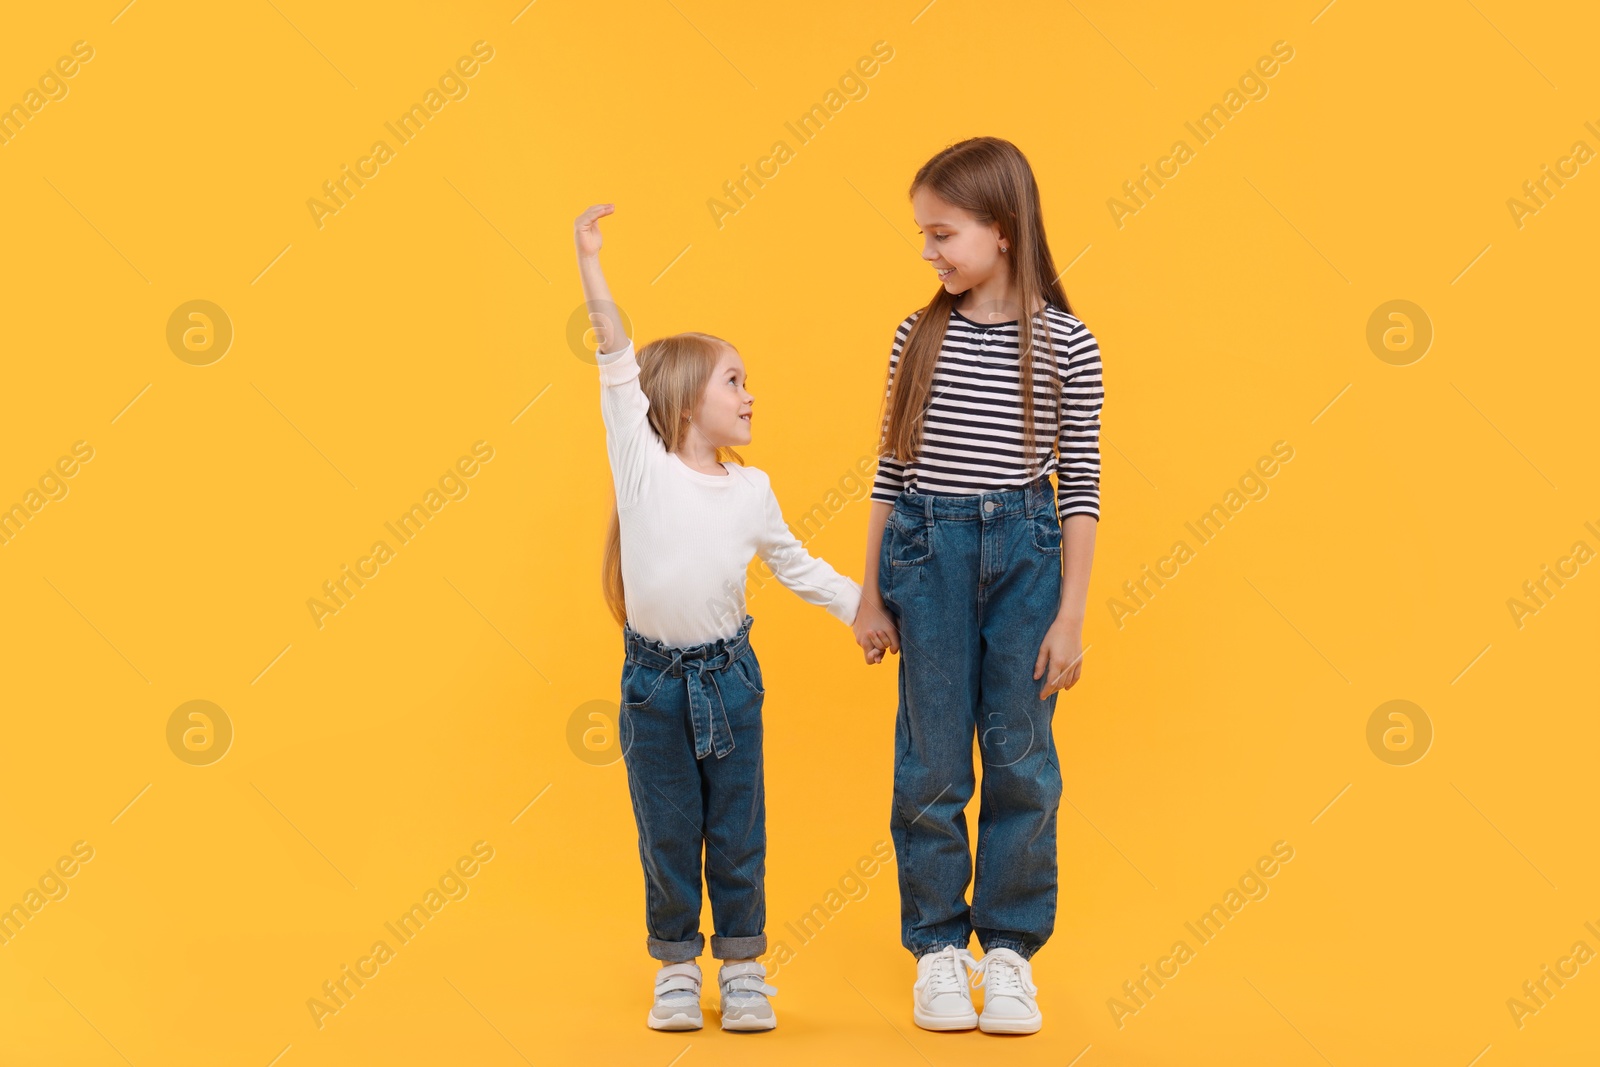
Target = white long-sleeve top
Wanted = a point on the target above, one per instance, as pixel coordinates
(688, 537)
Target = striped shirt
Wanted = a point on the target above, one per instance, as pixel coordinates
(972, 436)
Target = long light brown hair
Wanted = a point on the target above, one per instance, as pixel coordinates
(673, 372)
(991, 179)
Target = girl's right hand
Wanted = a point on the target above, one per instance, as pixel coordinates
(586, 231)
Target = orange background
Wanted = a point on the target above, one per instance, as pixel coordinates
(431, 712)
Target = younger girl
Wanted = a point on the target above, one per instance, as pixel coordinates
(965, 554)
(681, 538)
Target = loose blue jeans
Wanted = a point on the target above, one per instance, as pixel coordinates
(973, 583)
(690, 729)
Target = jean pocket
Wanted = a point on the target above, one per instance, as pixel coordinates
(639, 684)
(910, 539)
(1045, 530)
(748, 670)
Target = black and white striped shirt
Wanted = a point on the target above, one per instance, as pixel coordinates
(972, 437)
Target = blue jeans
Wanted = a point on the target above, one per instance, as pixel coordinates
(973, 583)
(690, 728)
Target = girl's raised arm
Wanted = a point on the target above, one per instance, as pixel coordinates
(603, 314)
(631, 444)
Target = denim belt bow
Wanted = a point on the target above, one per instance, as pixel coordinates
(706, 712)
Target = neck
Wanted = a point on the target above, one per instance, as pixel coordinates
(697, 452)
(995, 299)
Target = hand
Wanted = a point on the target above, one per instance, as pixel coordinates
(1060, 656)
(586, 231)
(874, 630)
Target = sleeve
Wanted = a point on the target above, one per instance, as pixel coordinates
(890, 481)
(1078, 446)
(811, 579)
(631, 443)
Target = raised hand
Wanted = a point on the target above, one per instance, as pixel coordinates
(604, 316)
(586, 231)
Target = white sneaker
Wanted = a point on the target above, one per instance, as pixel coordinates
(677, 1005)
(1008, 1004)
(744, 997)
(941, 999)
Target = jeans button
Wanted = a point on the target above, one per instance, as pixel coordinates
(988, 505)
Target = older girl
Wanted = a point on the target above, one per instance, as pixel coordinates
(964, 578)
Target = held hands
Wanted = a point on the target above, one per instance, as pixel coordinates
(1060, 656)
(1060, 660)
(875, 630)
(586, 231)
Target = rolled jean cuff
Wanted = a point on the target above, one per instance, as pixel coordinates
(677, 951)
(738, 948)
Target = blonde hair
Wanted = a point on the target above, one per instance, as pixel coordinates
(673, 372)
(991, 179)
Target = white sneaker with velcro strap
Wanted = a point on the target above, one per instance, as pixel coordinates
(677, 1005)
(1009, 1006)
(744, 997)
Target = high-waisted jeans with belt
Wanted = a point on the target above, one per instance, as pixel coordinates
(690, 728)
(973, 583)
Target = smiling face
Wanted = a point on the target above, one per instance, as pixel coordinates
(962, 250)
(723, 415)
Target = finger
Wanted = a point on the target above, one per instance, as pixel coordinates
(1041, 661)
(1051, 681)
(894, 642)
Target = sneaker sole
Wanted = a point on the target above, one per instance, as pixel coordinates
(1011, 1026)
(747, 1023)
(679, 1021)
(944, 1022)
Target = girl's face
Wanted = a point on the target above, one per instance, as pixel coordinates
(723, 415)
(963, 251)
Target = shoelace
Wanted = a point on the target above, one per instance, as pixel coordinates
(945, 974)
(745, 978)
(1002, 977)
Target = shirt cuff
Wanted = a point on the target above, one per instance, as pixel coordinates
(846, 602)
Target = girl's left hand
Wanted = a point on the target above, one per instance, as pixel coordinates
(1060, 656)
